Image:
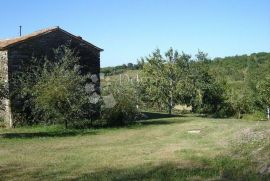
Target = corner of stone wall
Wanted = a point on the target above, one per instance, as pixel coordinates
(6, 113)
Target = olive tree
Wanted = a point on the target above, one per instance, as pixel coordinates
(56, 91)
(264, 91)
(164, 78)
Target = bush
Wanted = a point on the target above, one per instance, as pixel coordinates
(59, 93)
(225, 111)
(120, 104)
(256, 116)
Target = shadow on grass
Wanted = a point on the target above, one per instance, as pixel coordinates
(173, 172)
(152, 118)
(157, 115)
(62, 133)
(161, 122)
(163, 172)
(23, 172)
(220, 169)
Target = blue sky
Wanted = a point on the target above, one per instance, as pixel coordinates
(130, 29)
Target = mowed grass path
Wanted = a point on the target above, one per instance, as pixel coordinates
(150, 150)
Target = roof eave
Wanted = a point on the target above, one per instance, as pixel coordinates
(90, 44)
(53, 29)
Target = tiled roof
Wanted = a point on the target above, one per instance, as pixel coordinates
(4, 44)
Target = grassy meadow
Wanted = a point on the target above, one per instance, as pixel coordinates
(160, 148)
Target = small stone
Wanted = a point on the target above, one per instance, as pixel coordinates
(94, 78)
(194, 131)
(94, 98)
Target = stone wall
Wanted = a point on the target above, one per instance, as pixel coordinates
(44, 45)
(5, 113)
(3, 65)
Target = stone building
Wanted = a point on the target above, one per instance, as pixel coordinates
(16, 51)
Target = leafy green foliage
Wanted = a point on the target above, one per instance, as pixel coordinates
(59, 92)
(265, 90)
(121, 68)
(207, 93)
(164, 78)
(177, 79)
(230, 86)
(247, 76)
(240, 101)
(121, 105)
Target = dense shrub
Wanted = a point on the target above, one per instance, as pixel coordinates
(120, 104)
(59, 93)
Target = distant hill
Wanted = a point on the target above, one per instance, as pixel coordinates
(233, 68)
(237, 68)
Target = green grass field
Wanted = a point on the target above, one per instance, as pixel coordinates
(154, 149)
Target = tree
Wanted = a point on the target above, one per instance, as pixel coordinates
(206, 92)
(165, 78)
(62, 92)
(59, 92)
(124, 66)
(240, 100)
(201, 56)
(130, 66)
(264, 91)
(140, 63)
